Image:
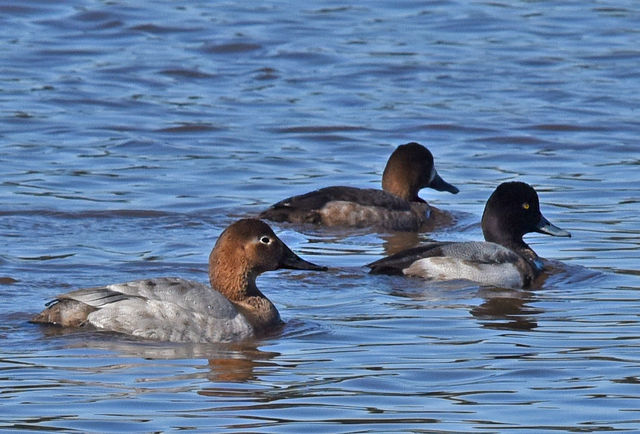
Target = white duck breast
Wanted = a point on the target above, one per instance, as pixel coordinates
(481, 262)
(169, 309)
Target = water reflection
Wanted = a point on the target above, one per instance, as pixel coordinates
(228, 362)
(398, 241)
(239, 365)
(506, 309)
(500, 308)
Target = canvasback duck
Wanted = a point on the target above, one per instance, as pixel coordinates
(395, 207)
(179, 310)
(503, 260)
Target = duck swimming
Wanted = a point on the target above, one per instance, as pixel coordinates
(395, 207)
(503, 260)
(179, 310)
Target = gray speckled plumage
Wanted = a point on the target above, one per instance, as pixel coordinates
(482, 262)
(165, 308)
(485, 263)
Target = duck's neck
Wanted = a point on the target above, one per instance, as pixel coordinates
(517, 245)
(393, 185)
(526, 252)
(239, 287)
(259, 311)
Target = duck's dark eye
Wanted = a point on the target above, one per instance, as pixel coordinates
(525, 205)
(265, 239)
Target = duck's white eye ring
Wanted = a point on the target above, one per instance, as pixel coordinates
(265, 240)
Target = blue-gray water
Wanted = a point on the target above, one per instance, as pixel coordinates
(132, 133)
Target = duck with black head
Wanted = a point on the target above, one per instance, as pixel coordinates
(396, 207)
(503, 260)
(179, 310)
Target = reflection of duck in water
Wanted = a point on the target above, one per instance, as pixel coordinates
(506, 310)
(503, 260)
(395, 242)
(238, 364)
(396, 207)
(174, 309)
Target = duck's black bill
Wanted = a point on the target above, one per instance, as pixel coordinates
(544, 226)
(295, 262)
(441, 185)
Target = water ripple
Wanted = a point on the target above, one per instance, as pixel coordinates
(132, 135)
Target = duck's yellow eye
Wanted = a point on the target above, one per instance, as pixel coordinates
(525, 205)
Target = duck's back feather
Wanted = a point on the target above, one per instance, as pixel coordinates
(395, 264)
(170, 309)
(348, 206)
(482, 262)
(306, 208)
